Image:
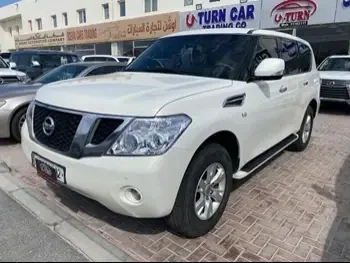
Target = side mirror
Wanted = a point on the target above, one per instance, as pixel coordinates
(35, 64)
(270, 69)
(13, 65)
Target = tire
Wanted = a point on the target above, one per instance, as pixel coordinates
(15, 124)
(301, 144)
(183, 219)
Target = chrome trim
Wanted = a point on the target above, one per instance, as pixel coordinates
(81, 145)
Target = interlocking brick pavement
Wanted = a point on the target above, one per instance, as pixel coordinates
(294, 209)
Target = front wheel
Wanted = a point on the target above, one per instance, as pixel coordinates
(304, 132)
(16, 124)
(203, 194)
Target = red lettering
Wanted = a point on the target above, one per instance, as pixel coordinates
(278, 18)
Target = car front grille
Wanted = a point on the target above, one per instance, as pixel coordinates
(8, 79)
(66, 125)
(335, 89)
(105, 128)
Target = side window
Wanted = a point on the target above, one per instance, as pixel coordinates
(111, 59)
(305, 57)
(289, 53)
(266, 48)
(24, 60)
(99, 71)
(50, 61)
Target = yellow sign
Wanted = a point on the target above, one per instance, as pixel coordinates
(42, 39)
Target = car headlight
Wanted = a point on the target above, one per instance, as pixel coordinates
(23, 78)
(149, 136)
(2, 103)
(29, 116)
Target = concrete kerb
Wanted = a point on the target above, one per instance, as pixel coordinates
(91, 244)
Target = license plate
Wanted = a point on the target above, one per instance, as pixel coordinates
(49, 170)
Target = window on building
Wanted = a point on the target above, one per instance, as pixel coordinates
(30, 25)
(105, 8)
(214, 1)
(188, 2)
(39, 24)
(65, 19)
(54, 21)
(151, 5)
(81, 16)
(17, 30)
(122, 8)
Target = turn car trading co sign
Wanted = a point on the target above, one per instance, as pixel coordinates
(232, 16)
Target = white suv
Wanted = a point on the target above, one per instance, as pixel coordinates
(167, 137)
(335, 75)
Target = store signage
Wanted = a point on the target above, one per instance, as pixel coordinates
(346, 3)
(42, 39)
(148, 27)
(233, 16)
(291, 13)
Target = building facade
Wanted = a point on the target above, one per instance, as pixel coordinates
(123, 27)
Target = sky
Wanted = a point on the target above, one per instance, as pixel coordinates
(7, 2)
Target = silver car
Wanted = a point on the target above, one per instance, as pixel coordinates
(15, 98)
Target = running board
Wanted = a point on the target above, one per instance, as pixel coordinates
(265, 156)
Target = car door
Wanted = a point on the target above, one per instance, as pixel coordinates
(266, 109)
(292, 80)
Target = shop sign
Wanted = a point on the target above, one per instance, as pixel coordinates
(148, 27)
(295, 13)
(343, 11)
(42, 39)
(232, 16)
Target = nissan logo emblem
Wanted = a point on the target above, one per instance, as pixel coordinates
(1, 81)
(48, 126)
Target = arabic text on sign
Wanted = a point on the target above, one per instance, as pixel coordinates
(217, 18)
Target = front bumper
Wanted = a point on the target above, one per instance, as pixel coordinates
(107, 179)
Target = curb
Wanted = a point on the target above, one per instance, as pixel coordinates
(89, 243)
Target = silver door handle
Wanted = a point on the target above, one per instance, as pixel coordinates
(306, 83)
(283, 89)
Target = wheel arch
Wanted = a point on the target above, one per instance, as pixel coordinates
(15, 111)
(314, 105)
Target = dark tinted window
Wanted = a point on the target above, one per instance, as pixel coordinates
(223, 56)
(305, 57)
(105, 70)
(61, 73)
(289, 53)
(123, 60)
(335, 64)
(22, 59)
(5, 55)
(111, 59)
(95, 59)
(266, 48)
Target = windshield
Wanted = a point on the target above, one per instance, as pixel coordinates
(5, 55)
(3, 64)
(61, 73)
(335, 64)
(211, 55)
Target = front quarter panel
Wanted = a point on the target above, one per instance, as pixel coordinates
(208, 117)
(9, 109)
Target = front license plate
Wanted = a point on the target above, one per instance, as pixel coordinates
(49, 170)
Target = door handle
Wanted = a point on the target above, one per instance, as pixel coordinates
(305, 83)
(283, 89)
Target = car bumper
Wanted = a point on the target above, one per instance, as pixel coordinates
(107, 179)
(335, 100)
(4, 122)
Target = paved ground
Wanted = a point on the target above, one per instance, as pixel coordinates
(24, 238)
(295, 209)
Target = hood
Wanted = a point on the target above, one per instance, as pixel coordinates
(126, 93)
(15, 90)
(10, 72)
(335, 75)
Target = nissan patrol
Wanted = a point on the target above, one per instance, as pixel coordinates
(167, 137)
